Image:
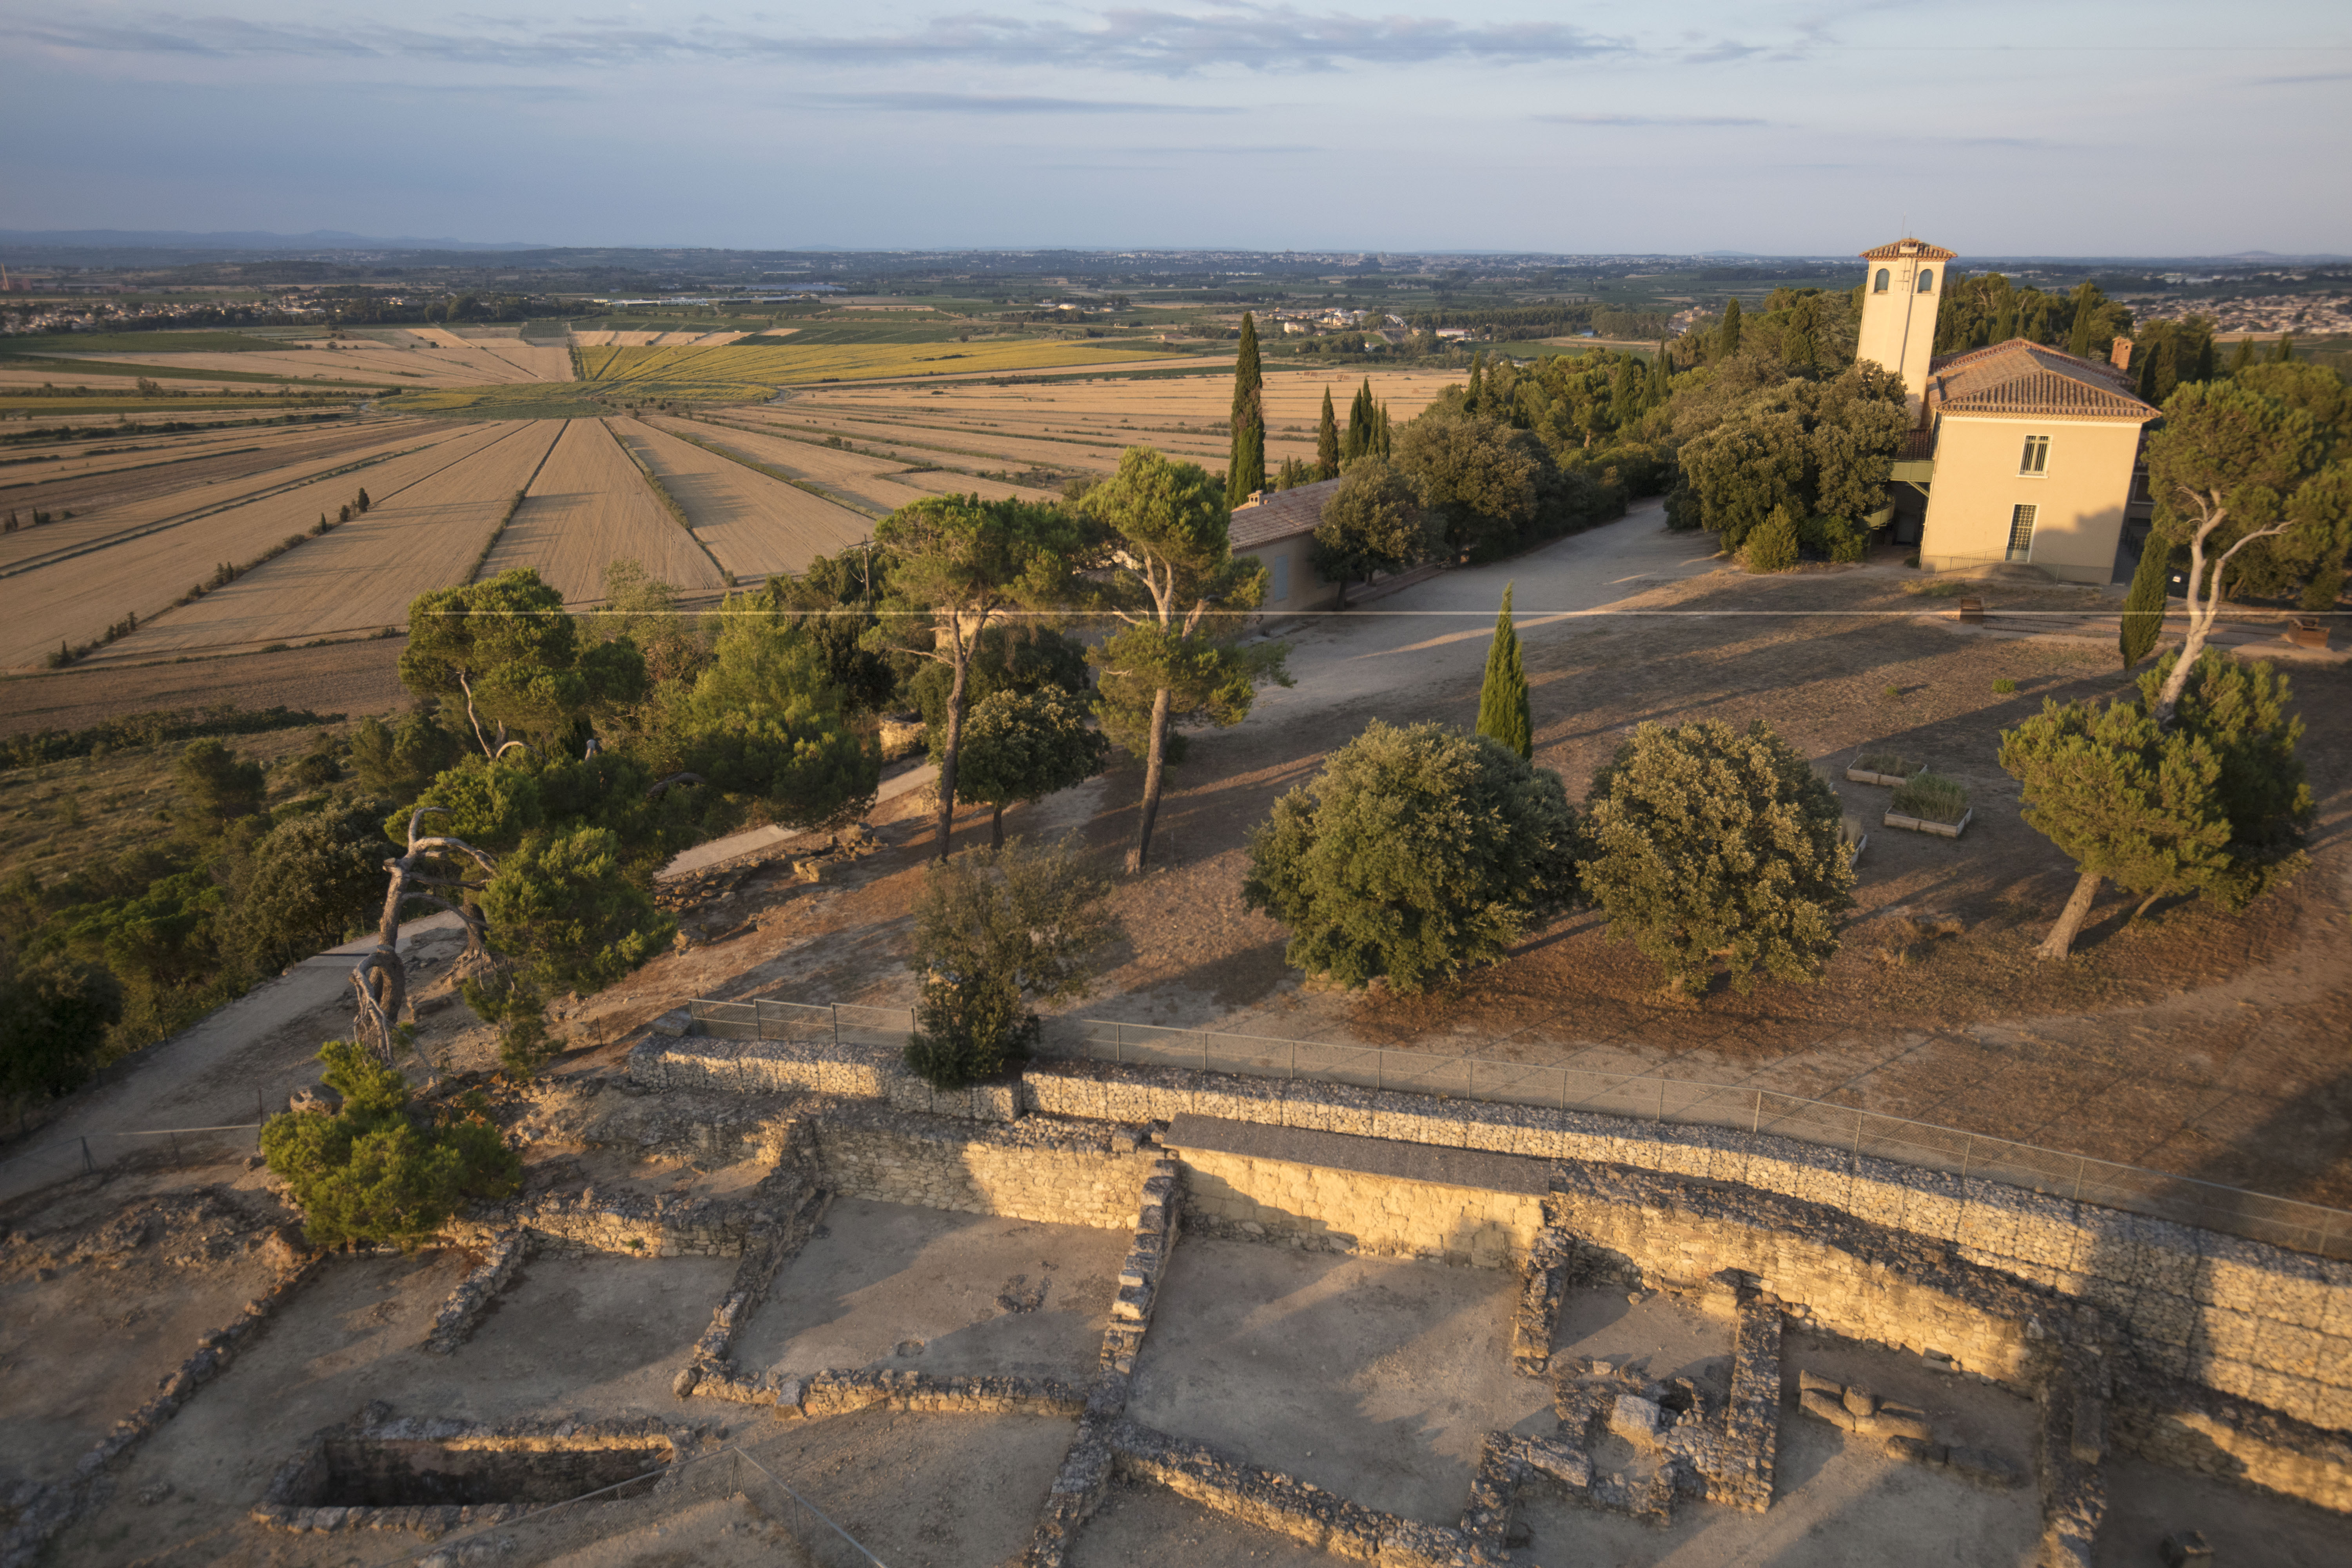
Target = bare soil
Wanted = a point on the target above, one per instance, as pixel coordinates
(354, 677)
(588, 508)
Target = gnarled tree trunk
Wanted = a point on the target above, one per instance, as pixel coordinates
(1155, 766)
(381, 978)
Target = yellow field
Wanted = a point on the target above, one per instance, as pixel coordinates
(588, 508)
(363, 575)
(786, 366)
(97, 570)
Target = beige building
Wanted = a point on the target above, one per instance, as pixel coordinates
(2024, 455)
(1278, 528)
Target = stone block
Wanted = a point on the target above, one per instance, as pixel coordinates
(1825, 1407)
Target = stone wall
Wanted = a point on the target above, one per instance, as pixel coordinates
(1037, 1170)
(2259, 1322)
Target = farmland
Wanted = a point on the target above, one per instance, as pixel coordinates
(790, 364)
(755, 525)
(589, 507)
(80, 582)
(360, 577)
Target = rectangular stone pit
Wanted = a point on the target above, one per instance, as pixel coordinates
(432, 1475)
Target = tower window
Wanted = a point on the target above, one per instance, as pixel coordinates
(2021, 533)
(1926, 280)
(1879, 285)
(2036, 459)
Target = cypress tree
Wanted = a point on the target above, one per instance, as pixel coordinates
(1358, 439)
(1475, 393)
(1327, 442)
(1246, 471)
(2286, 348)
(2143, 620)
(1380, 432)
(1503, 711)
(1729, 339)
(2243, 359)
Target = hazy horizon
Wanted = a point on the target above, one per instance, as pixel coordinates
(2095, 131)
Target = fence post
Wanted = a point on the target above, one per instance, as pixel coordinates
(2078, 1178)
(1662, 1098)
(835, 1008)
(1756, 1123)
(1294, 1060)
(89, 1165)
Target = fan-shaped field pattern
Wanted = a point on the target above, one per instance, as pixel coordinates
(364, 575)
(464, 364)
(756, 526)
(123, 522)
(75, 597)
(44, 462)
(866, 483)
(588, 508)
(217, 462)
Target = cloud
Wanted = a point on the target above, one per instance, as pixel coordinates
(2302, 80)
(990, 103)
(1650, 120)
(1151, 40)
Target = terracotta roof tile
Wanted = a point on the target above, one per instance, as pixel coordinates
(1280, 515)
(1895, 251)
(2024, 377)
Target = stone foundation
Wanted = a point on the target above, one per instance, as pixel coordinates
(1041, 1170)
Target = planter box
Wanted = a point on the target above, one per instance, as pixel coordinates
(1864, 775)
(2304, 633)
(1922, 825)
(1853, 856)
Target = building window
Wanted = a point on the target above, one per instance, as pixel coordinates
(1879, 287)
(1281, 578)
(2021, 533)
(1926, 280)
(2036, 460)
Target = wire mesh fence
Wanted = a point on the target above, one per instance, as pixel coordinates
(2214, 1205)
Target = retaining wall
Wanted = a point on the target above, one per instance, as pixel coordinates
(1066, 1174)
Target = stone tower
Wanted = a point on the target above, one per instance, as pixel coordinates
(1901, 287)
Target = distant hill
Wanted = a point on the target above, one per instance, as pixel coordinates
(180, 239)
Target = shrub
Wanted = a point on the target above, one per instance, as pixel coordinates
(380, 1169)
(1710, 843)
(995, 929)
(1416, 854)
(1931, 797)
(2004, 687)
(1773, 547)
(54, 1012)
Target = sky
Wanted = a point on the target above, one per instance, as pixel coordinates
(1995, 128)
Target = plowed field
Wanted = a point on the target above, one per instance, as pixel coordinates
(755, 525)
(73, 597)
(364, 575)
(218, 461)
(589, 508)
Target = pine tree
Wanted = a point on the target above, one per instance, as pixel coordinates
(1503, 711)
(1327, 442)
(2144, 604)
(1246, 472)
(1728, 339)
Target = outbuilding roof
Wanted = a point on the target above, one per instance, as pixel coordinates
(1279, 514)
(2024, 377)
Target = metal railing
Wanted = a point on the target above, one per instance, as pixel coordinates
(1648, 1097)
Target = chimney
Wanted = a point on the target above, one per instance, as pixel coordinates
(2120, 355)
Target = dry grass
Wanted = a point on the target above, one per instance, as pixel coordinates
(424, 536)
(588, 508)
(77, 596)
(785, 365)
(755, 525)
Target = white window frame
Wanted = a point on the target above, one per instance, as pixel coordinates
(2033, 460)
(2028, 513)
